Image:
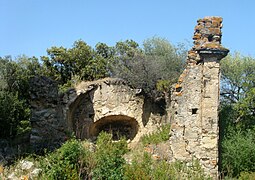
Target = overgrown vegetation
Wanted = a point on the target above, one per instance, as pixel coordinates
(82, 160)
(237, 116)
(109, 157)
(239, 152)
(75, 160)
(14, 96)
(144, 167)
(153, 67)
(65, 162)
(163, 134)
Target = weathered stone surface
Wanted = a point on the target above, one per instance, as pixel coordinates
(194, 132)
(207, 37)
(26, 165)
(108, 104)
(111, 105)
(35, 173)
(48, 126)
(12, 176)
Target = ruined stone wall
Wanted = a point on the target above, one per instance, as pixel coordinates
(195, 101)
(92, 105)
(112, 105)
(107, 104)
(48, 127)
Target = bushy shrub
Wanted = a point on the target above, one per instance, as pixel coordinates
(151, 68)
(144, 167)
(163, 134)
(247, 176)
(140, 168)
(68, 162)
(14, 115)
(238, 152)
(81, 160)
(74, 160)
(109, 157)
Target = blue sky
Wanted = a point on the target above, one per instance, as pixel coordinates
(31, 26)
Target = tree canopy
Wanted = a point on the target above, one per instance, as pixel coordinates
(80, 62)
(237, 116)
(152, 68)
(238, 86)
(14, 94)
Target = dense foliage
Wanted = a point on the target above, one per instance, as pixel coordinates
(144, 167)
(104, 160)
(14, 94)
(74, 160)
(80, 62)
(152, 68)
(109, 157)
(239, 152)
(237, 115)
(13, 115)
(64, 163)
(163, 134)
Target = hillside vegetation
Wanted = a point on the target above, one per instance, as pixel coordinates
(153, 67)
(104, 160)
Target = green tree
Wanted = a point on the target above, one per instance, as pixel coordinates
(168, 60)
(237, 86)
(14, 115)
(152, 68)
(81, 62)
(109, 157)
(238, 152)
(125, 53)
(237, 114)
(104, 50)
(14, 94)
(238, 76)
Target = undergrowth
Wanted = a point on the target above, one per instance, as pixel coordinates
(162, 135)
(77, 159)
(151, 169)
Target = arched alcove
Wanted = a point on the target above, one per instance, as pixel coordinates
(118, 125)
(81, 115)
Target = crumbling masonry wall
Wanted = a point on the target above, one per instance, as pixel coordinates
(108, 104)
(112, 104)
(195, 101)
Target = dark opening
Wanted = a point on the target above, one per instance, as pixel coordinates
(117, 125)
(194, 111)
(210, 38)
(178, 89)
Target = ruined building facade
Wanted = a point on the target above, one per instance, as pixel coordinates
(195, 102)
(111, 105)
(91, 107)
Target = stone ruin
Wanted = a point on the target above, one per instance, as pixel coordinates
(113, 106)
(104, 105)
(195, 101)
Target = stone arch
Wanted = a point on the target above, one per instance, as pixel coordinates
(96, 106)
(80, 115)
(118, 125)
